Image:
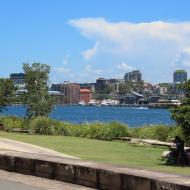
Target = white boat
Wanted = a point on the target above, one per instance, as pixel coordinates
(104, 103)
(92, 102)
(142, 108)
(82, 103)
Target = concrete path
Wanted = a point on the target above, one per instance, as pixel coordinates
(14, 181)
(17, 146)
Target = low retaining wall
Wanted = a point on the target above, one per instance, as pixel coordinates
(100, 176)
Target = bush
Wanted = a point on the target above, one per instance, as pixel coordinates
(69, 129)
(46, 126)
(96, 130)
(9, 123)
(102, 131)
(157, 132)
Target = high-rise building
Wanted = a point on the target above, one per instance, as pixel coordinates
(100, 84)
(114, 84)
(71, 92)
(179, 76)
(134, 76)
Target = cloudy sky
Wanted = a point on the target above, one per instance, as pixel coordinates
(84, 40)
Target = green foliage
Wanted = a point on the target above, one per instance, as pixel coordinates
(10, 122)
(44, 125)
(7, 92)
(158, 132)
(124, 88)
(102, 96)
(37, 99)
(181, 114)
(97, 130)
(106, 89)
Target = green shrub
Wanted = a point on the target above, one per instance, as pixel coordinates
(69, 129)
(115, 129)
(102, 131)
(175, 131)
(157, 132)
(10, 122)
(46, 126)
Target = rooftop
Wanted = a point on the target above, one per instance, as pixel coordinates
(85, 90)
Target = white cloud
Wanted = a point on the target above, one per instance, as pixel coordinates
(125, 67)
(152, 45)
(89, 53)
(183, 59)
(122, 32)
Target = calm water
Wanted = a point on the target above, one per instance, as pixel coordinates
(77, 114)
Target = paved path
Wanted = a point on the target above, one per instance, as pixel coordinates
(17, 146)
(14, 181)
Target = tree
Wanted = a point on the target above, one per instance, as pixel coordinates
(138, 86)
(37, 100)
(124, 88)
(7, 93)
(181, 114)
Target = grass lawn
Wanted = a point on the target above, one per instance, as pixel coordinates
(102, 151)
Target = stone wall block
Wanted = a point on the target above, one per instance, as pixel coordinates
(45, 169)
(86, 176)
(109, 180)
(7, 162)
(24, 165)
(65, 172)
(130, 182)
(161, 185)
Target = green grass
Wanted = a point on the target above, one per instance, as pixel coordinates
(102, 151)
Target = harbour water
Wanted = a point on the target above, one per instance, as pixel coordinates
(134, 117)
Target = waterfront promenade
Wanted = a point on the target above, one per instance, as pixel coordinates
(17, 146)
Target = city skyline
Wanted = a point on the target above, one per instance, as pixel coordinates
(83, 41)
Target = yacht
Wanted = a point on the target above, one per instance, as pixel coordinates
(92, 103)
(82, 103)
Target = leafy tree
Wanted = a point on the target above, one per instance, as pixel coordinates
(181, 114)
(102, 96)
(37, 100)
(124, 88)
(106, 89)
(7, 93)
(138, 86)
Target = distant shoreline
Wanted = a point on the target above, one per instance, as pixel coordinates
(140, 106)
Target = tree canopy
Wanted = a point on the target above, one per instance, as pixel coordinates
(7, 93)
(181, 114)
(37, 100)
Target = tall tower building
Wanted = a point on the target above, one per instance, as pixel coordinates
(134, 76)
(179, 76)
(100, 84)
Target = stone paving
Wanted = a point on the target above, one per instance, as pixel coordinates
(17, 146)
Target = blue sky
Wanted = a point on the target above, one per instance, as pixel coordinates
(83, 40)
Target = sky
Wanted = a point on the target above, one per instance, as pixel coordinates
(86, 39)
